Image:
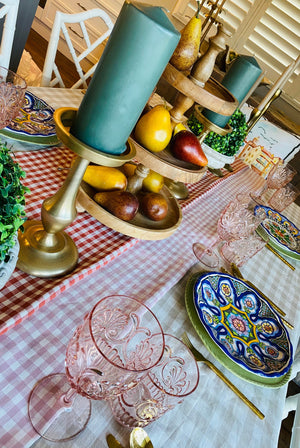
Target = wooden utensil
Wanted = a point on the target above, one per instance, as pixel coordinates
(199, 357)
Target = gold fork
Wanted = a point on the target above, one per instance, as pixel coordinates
(199, 357)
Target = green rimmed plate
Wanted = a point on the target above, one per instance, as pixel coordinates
(34, 123)
(215, 348)
(282, 233)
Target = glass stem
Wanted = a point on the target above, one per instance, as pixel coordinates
(68, 397)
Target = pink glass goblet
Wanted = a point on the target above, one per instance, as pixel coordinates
(12, 92)
(283, 197)
(237, 220)
(175, 377)
(280, 175)
(239, 251)
(109, 353)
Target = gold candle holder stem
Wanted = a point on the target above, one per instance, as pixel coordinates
(45, 249)
(256, 113)
(203, 134)
(59, 210)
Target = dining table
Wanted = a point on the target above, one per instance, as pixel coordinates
(38, 316)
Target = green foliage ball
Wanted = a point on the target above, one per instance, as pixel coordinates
(12, 200)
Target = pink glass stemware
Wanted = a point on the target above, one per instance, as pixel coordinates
(283, 197)
(166, 385)
(239, 251)
(280, 175)
(236, 221)
(114, 348)
(109, 353)
(12, 92)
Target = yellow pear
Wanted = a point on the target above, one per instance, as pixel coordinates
(153, 182)
(154, 129)
(186, 52)
(104, 178)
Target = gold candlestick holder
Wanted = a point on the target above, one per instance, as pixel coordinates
(256, 113)
(209, 126)
(45, 249)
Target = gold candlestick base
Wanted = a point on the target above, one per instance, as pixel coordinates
(45, 249)
(209, 126)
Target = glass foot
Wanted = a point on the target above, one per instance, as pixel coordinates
(206, 255)
(51, 415)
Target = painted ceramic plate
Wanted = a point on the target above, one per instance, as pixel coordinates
(240, 328)
(283, 234)
(34, 123)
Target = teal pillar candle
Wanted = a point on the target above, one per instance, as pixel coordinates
(239, 79)
(138, 50)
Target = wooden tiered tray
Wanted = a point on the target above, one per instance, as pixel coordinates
(139, 227)
(167, 165)
(213, 96)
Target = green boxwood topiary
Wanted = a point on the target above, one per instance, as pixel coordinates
(228, 144)
(12, 200)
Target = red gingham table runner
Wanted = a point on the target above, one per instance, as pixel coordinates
(97, 244)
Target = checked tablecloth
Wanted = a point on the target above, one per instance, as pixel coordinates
(156, 273)
(96, 243)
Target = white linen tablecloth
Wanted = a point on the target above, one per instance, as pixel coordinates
(155, 272)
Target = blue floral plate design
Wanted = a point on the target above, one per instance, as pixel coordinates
(284, 236)
(240, 328)
(34, 123)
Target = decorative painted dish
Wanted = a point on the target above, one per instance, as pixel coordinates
(240, 328)
(283, 234)
(34, 123)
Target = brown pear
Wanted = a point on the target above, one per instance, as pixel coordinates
(186, 52)
(153, 205)
(122, 204)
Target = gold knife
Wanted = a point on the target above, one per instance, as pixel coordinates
(112, 442)
(274, 251)
(264, 235)
(200, 358)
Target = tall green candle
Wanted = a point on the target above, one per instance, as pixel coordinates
(139, 48)
(239, 79)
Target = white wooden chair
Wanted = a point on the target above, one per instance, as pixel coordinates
(9, 13)
(61, 19)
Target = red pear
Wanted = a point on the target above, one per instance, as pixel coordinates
(185, 146)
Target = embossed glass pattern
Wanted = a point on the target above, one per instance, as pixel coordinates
(165, 386)
(236, 221)
(110, 352)
(113, 348)
(283, 197)
(12, 91)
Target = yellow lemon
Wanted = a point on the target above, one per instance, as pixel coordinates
(154, 129)
(104, 178)
(153, 182)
